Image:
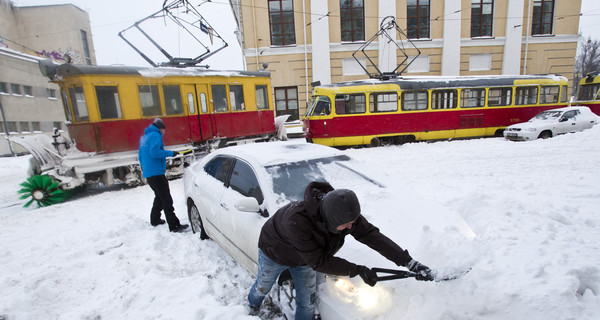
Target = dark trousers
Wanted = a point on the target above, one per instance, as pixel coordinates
(162, 202)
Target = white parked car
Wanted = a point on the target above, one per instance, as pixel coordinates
(550, 123)
(231, 192)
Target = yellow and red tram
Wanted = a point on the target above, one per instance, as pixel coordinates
(108, 107)
(589, 93)
(403, 109)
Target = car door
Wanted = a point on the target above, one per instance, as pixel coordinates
(566, 123)
(209, 190)
(242, 228)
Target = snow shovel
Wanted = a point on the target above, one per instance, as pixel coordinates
(393, 274)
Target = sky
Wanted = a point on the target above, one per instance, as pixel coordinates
(109, 17)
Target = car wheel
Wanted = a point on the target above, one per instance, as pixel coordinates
(545, 135)
(196, 221)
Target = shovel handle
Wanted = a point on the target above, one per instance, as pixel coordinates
(393, 274)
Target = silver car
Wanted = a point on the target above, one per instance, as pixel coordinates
(232, 192)
(553, 122)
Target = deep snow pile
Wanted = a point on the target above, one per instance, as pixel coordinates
(533, 205)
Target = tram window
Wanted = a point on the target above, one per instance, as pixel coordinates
(564, 93)
(321, 107)
(219, 97)
(172, 96)
(444, 99)
(236, 96)
(526, 95)
(415, 100)
(78, 104)
(472, 98)
(262, 101)
(150, 101)
(108, 102)
(350, 103)
(549, 94)
(383, 102)
(203, 102)
(191, 103)
(498, 97)
(65, 100)
(588, 92)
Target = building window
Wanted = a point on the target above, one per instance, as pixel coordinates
(352, 18)
(35, 126)
(543, 16)
(28, 91)
(417, 19)
(286, 102)
(12, 126)
(281, 19)
(3, 87)
(51, 93)
(418, 64)
(482, 14)
(57, 125)
(24, 126)
(480, 62)
(86, 48)
(15, 89)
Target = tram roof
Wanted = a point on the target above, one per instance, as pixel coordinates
(426, 82)
(151, 72)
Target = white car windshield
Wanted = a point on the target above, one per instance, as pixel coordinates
(547, 115)
(290, 179)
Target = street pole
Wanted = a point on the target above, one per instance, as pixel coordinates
(6, 128)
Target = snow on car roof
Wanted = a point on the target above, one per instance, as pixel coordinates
(272, 153)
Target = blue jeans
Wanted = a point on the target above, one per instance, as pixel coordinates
(305, 283)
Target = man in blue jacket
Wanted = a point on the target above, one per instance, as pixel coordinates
(152, 155)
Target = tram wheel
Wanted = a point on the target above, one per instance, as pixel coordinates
(375, 142)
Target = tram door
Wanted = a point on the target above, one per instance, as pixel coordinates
(204, 112)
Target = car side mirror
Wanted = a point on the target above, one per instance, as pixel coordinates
(248, 204)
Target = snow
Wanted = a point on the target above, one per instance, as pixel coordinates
(533, 206)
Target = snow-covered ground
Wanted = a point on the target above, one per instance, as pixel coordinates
(535, 207)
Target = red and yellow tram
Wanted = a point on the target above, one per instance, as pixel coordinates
(108, 107)
(589, 89)
(403, 109)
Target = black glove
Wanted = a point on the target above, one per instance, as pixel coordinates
(175, 154)
(423, 272)
(369, 276)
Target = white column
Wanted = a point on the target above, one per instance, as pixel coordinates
(321, 65)
(451, 48)
(511, 61)
(387, 51)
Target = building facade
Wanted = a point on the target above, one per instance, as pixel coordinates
(30, 104)
(304, 41)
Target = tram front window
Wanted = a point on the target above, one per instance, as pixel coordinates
(320, 107)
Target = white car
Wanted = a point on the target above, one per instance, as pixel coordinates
(231, 192)
(550, 123)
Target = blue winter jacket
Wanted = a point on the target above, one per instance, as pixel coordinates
(152, 153)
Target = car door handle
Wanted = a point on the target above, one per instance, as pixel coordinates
(224, 206)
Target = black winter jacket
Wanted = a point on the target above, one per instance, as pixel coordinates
(296, 235)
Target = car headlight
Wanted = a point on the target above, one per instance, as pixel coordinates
(369, 301)
(530, 129)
